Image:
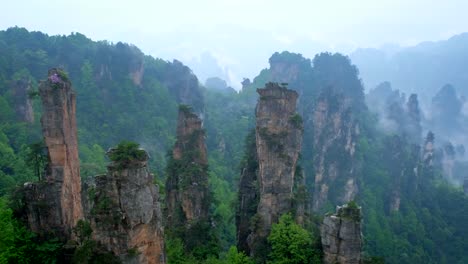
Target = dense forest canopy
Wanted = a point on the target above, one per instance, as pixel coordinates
(406, 179)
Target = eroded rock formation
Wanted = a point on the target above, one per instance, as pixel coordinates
(187, 187)
(278, 135)
(341, 236)
(288, 67)
(187, 192)
(428, 150)
(413, 127)
(124, 211)
(54, 205)
(248, 193)
(335, 133)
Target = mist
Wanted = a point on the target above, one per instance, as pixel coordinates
(234, 39)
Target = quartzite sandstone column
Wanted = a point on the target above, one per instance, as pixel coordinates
(54, 205)
(278, 142)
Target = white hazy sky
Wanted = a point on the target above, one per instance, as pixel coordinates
(185, 29)
(361, 22)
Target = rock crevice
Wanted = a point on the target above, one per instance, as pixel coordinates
(54, 205)
(335, 133)
(278, 135)
(341, 236)
(125, 214)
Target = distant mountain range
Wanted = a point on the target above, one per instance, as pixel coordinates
(423, 68)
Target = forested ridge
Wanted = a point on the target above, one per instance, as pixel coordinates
(411, 213)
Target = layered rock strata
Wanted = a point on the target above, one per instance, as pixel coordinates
(187, 194)
(341, 236)
(54, 205)
(248, 194)
(335, 133)
(124, 211)
(278, 134)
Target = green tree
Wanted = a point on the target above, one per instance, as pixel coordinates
(126, 152)
(36, 158)
(19, 245)
(291, 244)
(235, 257)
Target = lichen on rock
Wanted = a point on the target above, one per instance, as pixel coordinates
(341, 235)
(124, 209)
(278, 144)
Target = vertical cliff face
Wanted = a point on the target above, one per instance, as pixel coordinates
(124, 211)
(55, 204)
(187, 184)
(413, 127)
(395, 164)
(402, 162)
(335, 133)
(286, 70)
(22, 103)
(341, 236)
(187, 192)
(278, 134)
(295, 70)
(428, 150)
(403, 151)
(248, 194)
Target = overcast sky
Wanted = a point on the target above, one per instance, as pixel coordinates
(185, 29)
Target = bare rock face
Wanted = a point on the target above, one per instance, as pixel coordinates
(413, 127)
(286, 67)
(187, 188)
(125, 213)
(137, 74)
(341, 236)
(55, 204)
(278, 135)
(428, 150)
(335, 133)
(23, 106)
(248, 194)
(188, 197)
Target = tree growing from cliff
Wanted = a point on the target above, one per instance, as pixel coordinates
(126, 152)
(37, 157)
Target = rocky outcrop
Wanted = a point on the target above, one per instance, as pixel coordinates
(403, 155)
(187, 186)
(413, 127)
(137, 75)
(278, 135)
(219, 85)
(341, 236)
(54, 205)
(288, 67)
(22, 102)
(428, 150)
(248, 194)
(245, 83)
(187, 192)
(335, 134)
(124, 211)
